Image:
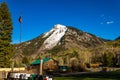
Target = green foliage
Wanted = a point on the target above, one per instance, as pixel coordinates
(108, 59)
(114, 43)
(6, 48)
(16, 64)
(74, 54)
(55, 50)
(25, 60)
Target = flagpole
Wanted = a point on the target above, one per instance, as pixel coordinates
(20, 32)
(20, 21)
(20, 40)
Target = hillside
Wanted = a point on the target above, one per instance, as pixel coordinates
(65, 44)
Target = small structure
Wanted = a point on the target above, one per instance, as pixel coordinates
(48, 64)
(63, 68)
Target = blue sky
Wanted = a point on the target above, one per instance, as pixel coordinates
(99, 17)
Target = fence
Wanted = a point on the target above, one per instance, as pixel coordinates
(4, 71)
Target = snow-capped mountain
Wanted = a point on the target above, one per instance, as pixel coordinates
(58, 37)
(55, 36)
(64, 44)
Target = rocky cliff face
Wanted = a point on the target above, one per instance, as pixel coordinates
(82, 39)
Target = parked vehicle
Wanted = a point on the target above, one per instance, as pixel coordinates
(16, 75)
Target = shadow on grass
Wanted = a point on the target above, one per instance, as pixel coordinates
(108, 75)
(92, 76)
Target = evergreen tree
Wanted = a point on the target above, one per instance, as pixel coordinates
(6, 48)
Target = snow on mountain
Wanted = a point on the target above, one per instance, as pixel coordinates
(54, 36)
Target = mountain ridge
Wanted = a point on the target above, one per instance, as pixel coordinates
(61, 41)
(41, 41)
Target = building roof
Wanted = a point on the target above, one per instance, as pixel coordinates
(38, 61)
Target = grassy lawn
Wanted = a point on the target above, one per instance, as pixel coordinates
(93, 76)
(78, 78)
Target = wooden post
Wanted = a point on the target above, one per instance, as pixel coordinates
(41, 65)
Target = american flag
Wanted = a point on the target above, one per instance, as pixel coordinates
(20, 19)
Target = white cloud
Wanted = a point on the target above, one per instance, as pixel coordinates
(109, 22)
(106, 19)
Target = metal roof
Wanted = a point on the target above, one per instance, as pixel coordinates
(38, 61)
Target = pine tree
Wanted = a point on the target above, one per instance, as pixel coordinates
(6, 48)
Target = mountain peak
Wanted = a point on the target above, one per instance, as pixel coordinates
(57, 26)
(58, 37)
(54, 36)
